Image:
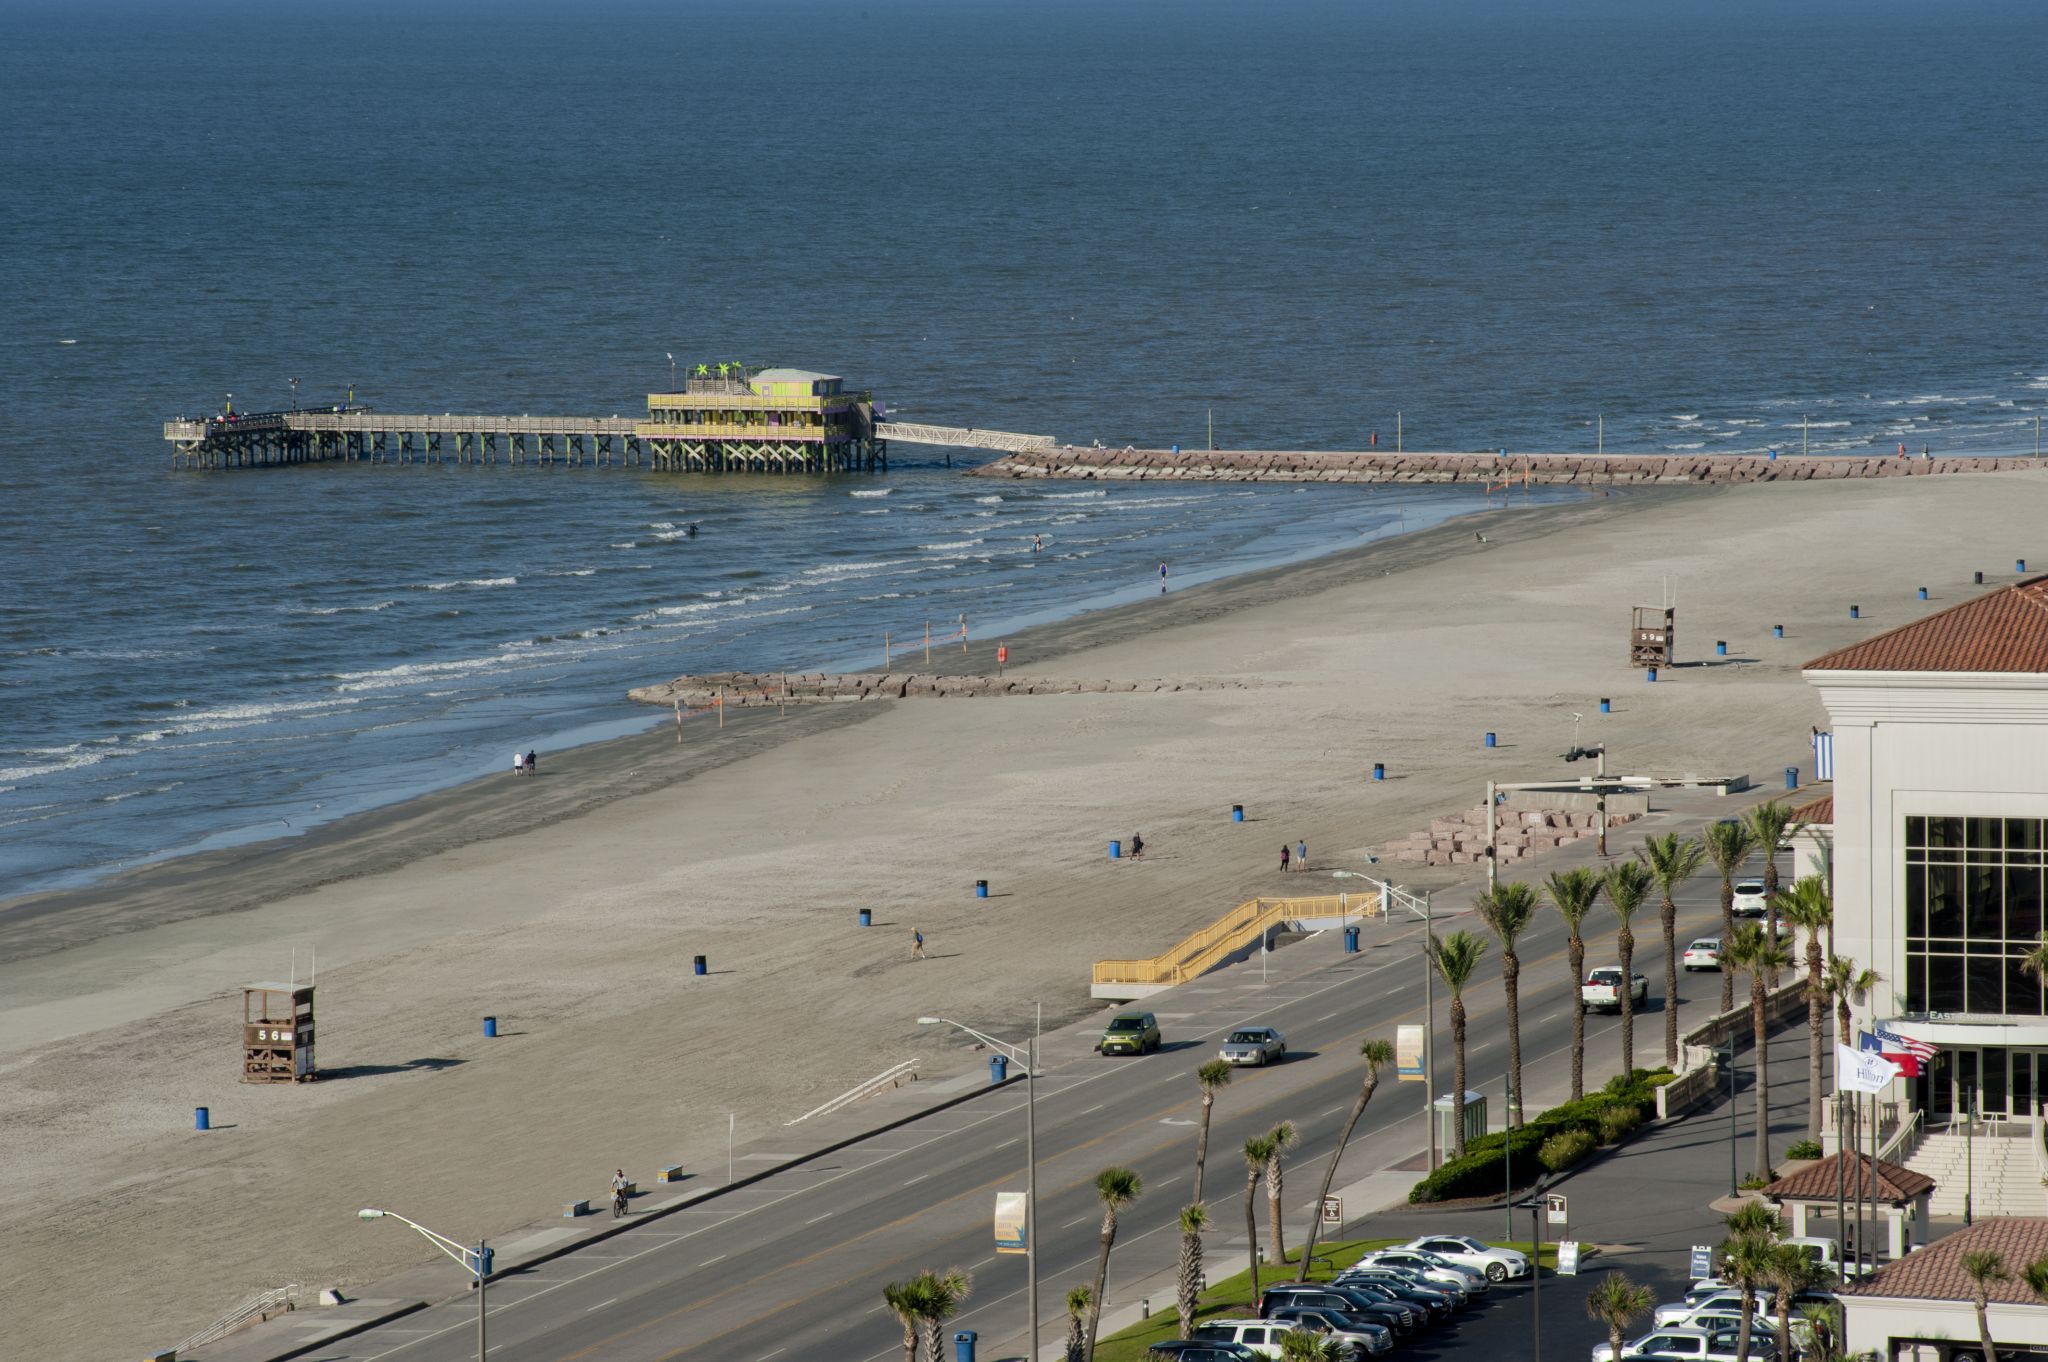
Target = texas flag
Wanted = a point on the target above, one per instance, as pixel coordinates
(1900, 1050)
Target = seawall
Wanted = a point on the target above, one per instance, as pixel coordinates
(1375, 466)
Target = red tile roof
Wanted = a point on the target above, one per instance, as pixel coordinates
(1821, 810)
(1816, 1181)
(1936, 1272)
(2002, 631)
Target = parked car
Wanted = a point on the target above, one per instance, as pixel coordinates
(1431, 1302)
(1678, 1344)
(1253, 1045)
(1431, 1268)
(1364, 1338)
(1749, 899)
(1703, 953)
(1130, 1033)
(1260, 1336)
(1498, 1264)
(1455, 1295)
(1199, 1350)
(1727, 1298)
(1396, 1315)
(1602, 990)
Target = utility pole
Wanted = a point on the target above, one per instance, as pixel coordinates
(1429, 1022)
(1031, 1175)
(1802, 434)
(1212, 447)
(1493, 851)
(1397, 433)
(1603, 432)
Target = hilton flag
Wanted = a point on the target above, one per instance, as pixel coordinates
(1862, 1071)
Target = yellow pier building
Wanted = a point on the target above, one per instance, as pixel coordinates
(766, 421)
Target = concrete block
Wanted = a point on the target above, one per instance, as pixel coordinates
(332, 1296)
(672, 1173)
(575, 1208)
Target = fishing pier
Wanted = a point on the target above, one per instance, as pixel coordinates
(732, 421)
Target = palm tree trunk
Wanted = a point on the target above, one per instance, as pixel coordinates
(1202, 1141)
(1816, 1023)
(1251, 1230)
(1458, 1077)
(1101, 1284)
(1625, 943)
(935, 1339)
(1843, 1021)
(1984, 1330)
(1578, 959)
(1741, 1337)
(1727, 935)
(1763, 1075)
(1670, 984)
(1784, 1323)
(1187, 1293)
(1511, 985)
(909, 1339)
(1274, 1227)
(1315, 1210)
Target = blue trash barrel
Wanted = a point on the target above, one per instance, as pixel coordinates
(1379, 770)
(1237, 813)
(1923, 593)
(485, 1257)
(1777, 631)
(1720, 647)
(1116, 850)
(1490, 740)
(1176, 449)
(998, 1068)
(1772, 452)
(1351, 941)
(2019, 565)
(1855, 612)
(698, 966)
(1652, 675)
(202, 1118)
(1604, 703)
(963, 1346)
(981, 889)
(1791, 777)
(867, 917)
(490, 1027)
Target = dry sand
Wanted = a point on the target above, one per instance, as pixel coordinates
(569, 906)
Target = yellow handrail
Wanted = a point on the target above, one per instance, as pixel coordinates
(1232, 932)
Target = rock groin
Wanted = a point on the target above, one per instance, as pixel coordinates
(742, 690)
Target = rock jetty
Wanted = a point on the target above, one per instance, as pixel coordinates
(1540, 469)
(754, 690)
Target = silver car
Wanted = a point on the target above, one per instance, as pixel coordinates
(1253, 1045)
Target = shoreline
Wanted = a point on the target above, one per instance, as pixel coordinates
(578, 780)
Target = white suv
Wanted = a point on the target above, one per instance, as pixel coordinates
(1749, 899)
(1262, 1336)
(1465, 1251)
(1691, 1345)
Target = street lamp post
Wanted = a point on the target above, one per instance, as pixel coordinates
(671, 369)
(1029, 1059)
(476, 1260)
(1732, 1180)
(295, 392)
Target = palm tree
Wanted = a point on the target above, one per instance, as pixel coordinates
(1116, 1188)
(1760, 956)
(1377, 1055)
(1213, 1075)
(1617, 1303)
(1284, 1137)
(1847, 981)
(1455, 957)
(1188, 1284)
(1809, 908)
(1823, 1332)
(1983, 1267)
(1573, 892)
(943, 1295)
(1769, 824)
(1746, 1262)
(1258, 1152)
(1627, 884)
(1078, 1301)
(1728, 846)
(2035, 961)
(906, 1301)
(1300, 1345)
(1792, 1271)
(1507, 909)
(2035, 1275)
(1672, 860)
(1754, 1220)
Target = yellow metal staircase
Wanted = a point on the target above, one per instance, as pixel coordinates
(1221, 939)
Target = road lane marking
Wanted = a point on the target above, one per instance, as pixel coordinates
(1007, 1143)
(765, 1356)
(816, 1218)
(601, 1305)
(719, 1259)
(1092, 1110)
(919, 1178)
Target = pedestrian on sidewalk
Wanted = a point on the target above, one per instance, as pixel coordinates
(1301, 855)
(916, 944)
(1283, 857)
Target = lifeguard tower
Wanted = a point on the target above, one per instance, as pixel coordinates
(277, 1033)
(1652, 636)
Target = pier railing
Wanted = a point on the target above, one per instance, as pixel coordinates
(1229, 934)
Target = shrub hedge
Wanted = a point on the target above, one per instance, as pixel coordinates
(1499, 1159)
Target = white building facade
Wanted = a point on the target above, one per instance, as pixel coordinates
(1940, 830)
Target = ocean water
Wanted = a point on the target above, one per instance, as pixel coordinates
(1700, 222)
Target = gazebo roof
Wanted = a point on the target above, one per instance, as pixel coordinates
(1894, 1182)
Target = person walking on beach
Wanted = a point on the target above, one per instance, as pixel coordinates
(1137, 845)
(916, 944)
(1301, 855)
(532, 761)
(518, 763)
(1283, 856)
(1162, 579)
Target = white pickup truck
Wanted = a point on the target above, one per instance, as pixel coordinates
(1602, 990)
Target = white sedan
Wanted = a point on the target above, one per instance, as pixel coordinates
(1703, 953)
(1498, 1264)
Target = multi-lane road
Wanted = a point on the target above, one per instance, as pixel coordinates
(794, 1266)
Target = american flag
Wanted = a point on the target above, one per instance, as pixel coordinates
(1893, 1041)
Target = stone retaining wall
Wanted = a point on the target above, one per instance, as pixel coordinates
(1460, 838)
(1382, 466)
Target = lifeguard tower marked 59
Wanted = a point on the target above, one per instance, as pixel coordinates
(724, 418)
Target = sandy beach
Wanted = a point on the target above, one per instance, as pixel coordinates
(569, 906)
